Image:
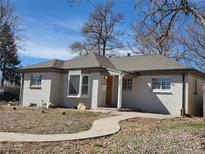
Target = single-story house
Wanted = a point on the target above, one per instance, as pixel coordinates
(152, 83)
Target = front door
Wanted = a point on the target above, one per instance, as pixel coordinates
(109, 91)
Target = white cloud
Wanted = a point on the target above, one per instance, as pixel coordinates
(73, 24)
(40, 51)
(46, 40)
(51, 30)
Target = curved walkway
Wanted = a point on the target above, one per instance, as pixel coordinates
(101, 127)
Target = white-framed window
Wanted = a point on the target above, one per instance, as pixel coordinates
(195, 86)
(78, 85)
(161, 83)
(35, 80)
(127, 84)
(74, 83)
(85, 81)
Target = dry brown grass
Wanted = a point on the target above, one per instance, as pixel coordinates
(46, 121)
(137, 135)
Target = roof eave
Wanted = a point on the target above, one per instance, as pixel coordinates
(39, 68)
(181, 70)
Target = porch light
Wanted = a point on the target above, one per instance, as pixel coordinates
(105, 77)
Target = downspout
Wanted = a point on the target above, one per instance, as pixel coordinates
(21, 88)
(183, 95)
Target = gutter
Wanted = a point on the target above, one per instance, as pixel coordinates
(183, 95)
(21, 89)
(119, 71)
(113, 70)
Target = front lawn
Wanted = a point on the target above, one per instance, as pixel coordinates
(138, 135)
(46, 121)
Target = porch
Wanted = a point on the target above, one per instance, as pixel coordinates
(107, 90)
(113, 109)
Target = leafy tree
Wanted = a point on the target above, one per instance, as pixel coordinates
(100, 32)
(9, 60)
(9, 36)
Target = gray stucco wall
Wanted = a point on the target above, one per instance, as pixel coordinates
(37, 95)
(194, 104)
(101, 88)
(56, 88)
(70, 102)
(144, 99)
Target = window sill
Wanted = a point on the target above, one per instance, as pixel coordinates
(162, 91)
(79, 96)
(126, 89)
(35, 87)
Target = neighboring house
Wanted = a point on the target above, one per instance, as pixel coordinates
(146, 83)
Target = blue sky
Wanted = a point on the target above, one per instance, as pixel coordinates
(50, 26)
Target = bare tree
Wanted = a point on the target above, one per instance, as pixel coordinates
(194, 46)
(170, 13)
(83, 48)
(148, 45)
(100, 32)
(7, 17)
(162, 28)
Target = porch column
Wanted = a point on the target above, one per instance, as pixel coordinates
(119, 96)
(94, 98)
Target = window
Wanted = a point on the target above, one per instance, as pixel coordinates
(74, 83)
(36, 80)
(127, 84)
(161, 83)
(84, 85)
(78, 85)
(195, 86)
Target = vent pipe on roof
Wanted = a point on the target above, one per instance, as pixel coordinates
(128, 54)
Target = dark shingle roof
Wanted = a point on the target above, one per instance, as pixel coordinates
(132, 63)
(88, 61)
(55, 63)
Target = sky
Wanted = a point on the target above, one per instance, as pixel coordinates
(51, 26)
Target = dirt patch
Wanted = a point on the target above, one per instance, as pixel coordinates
(138, 135)
(46, 121)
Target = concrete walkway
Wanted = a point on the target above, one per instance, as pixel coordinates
(101, 127)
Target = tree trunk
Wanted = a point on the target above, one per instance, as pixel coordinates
(104, 48)
(99, 46)
(2, 80)
(3, 71)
